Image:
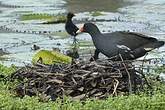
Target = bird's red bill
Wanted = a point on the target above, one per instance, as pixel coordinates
(81, 29)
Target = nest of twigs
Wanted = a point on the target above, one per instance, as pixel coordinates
(79, 80)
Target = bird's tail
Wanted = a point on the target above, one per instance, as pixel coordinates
(141, 51)
(153, 45)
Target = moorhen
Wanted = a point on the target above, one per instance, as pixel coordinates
(69, 26)
(71, 30)
(129, 45)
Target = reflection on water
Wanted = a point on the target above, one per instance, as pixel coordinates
(93, 5)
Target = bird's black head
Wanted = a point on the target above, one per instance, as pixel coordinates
(70, 15)
(89, 28)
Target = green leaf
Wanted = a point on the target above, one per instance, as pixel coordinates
(50, 57)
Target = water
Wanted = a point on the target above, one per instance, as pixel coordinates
(105, 5)
(144, 16)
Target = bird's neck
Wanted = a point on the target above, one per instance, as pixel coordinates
(96, 37)
(94, 32)
(69, 18)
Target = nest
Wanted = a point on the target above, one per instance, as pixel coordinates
(80, 80)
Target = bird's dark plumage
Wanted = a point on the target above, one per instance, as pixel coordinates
(129, 44)
(69, 26)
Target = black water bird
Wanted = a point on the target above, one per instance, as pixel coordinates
(71, 30)
(69, 26)
(129, 45)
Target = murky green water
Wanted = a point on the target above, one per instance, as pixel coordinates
(144, 16)
(93, 5)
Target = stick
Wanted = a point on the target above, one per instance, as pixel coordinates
(115, 87)
(129, 77)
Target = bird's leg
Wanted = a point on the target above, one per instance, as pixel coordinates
(75, 48)
(74, 41)
(96, 55)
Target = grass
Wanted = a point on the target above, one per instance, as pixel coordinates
(160, 69)
(6, 71)
(132, 102)
(142, 101)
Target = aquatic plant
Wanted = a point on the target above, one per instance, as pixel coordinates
(50, 18)
(96, 13)
(50, 57)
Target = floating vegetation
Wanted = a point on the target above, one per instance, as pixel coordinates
(96, 13)
(56, 19)
(3, 58)
(83, 43)
(36, 17)
(62, 35)
(51, 19)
